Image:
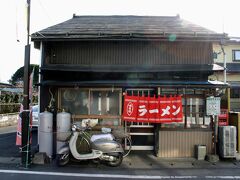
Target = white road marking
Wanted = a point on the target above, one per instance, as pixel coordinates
(112, 176)
(223, 177)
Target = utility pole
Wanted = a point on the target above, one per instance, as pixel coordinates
(26, 146)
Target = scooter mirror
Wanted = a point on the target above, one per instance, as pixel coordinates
(74, 127)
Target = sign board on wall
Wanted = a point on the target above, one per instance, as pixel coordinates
(213, 105)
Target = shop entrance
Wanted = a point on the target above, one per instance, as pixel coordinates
(142, 134)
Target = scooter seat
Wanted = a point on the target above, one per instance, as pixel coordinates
(108, 137)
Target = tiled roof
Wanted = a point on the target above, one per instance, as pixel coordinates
(125, 27)
(3, 85)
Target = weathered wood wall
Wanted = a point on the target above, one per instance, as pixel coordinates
(128, 53)
(181, 143)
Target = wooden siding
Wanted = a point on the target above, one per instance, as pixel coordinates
(181, 143)
(129, 53)
(234, 120)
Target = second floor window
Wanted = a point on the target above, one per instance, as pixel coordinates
(236, 55)
(235, 93)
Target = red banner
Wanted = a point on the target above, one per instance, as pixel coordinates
(142, 115)
(153, 110)
(130, 108)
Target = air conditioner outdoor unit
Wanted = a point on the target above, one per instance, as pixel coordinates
(227, 141)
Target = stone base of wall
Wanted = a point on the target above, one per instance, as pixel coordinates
(8, 119)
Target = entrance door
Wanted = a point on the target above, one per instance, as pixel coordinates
(142, 134)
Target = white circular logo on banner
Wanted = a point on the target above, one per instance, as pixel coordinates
(129, 108)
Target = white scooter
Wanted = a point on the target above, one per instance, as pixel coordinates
(103, 147)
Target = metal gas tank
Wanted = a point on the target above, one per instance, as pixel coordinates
(46, 133)
(45, 122)
(63, 126)
(107, 146)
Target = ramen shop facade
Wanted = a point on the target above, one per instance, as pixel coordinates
(90, 64)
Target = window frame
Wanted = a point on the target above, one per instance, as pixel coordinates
(193, 93)
(234, 54)
(235, 93)
(94, 116)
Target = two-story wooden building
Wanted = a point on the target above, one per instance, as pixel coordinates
(231, 49)
(89, 62)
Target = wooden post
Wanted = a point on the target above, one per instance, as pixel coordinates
(228, 99)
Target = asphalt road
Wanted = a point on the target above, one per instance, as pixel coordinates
(8, 146)
(7, 142)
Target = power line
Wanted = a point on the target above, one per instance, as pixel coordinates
(17, 24)
(45, 11)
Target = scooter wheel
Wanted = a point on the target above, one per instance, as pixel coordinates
(96, 161)
(117, 161)
(62, 159)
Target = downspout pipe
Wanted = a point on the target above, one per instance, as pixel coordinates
(224, 62)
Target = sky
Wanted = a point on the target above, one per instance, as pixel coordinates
(217, 15)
